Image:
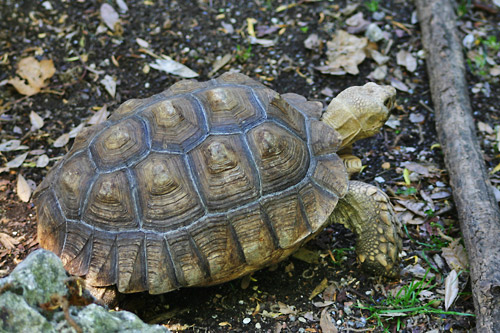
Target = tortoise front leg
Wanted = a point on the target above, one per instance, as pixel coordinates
(352, 163)
(367, 211)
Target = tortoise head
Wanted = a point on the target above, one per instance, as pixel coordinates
(359, 112)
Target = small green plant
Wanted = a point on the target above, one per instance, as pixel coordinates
(463, 6)
(406, 191)
(491, 43)
(406, 303)
(372, 5)
(430, 212)
(338, 255)
(436, 242)
(242, 55)
(304, 29)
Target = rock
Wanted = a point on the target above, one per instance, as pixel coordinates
(38, 277)
(18, 316)
(40, 280)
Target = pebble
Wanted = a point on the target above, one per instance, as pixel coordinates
(377, 16)
(257, 326)
(374, 33)
(246, 321)
(361, 323)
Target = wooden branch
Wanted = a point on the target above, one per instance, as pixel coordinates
(476, 205)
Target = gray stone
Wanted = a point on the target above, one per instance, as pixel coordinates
(40, 277)
(16, 315)
(94, 316)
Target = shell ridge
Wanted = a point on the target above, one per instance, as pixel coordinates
(304, 213)
(202, 260)
(201, 112)
(239, 247)
(314, 182)
(195, 183)
(145, 277)
(258, 101)
(85, 201)
(269, 226)
(253, 163)
(132, 180)
(59, 208)
(171, 270)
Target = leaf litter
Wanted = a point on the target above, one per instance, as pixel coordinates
(32, 75)
(285, 67)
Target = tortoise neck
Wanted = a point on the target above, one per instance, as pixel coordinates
(339, 117)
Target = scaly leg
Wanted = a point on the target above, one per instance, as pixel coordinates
(367, 211)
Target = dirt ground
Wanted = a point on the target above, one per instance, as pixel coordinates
(282, 44)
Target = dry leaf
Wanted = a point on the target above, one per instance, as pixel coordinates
(36, 121)
(406, 59)
(109, 16)
(379, 58)
(450, 289)
(171, 66)
(142, 43)
(286, 309)
(109, 84)
(399, 85)
(7, 241)
(23, 189)
(122, 5)
(345, 53)
(326, 322)
(219, 63)
(418, 168)
(416, 207)
(322, 304)
(311, 257)
(495, 70)
(17, 162)
(100, 116)
(440, 195)
(74, 132)
(12, 145)
(42, 161)
(228, 27)
(61, 141)
(484, 127)
(312, 42)
(319, 288)
(357, 20)
(261, 41)
(29, 69)
(455, 256)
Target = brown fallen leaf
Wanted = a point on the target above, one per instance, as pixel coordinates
(455, 256)
(23, 189)
(319, 288)
(326, 323)
(35, 73)
(345, 53)
(450, 289)
(286, 309)
(61, 141)
(7, 241)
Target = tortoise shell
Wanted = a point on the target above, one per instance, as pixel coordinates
(197, 185)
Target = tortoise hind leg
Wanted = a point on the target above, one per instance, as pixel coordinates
(367, 211)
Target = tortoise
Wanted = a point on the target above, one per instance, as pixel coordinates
(209, 181)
